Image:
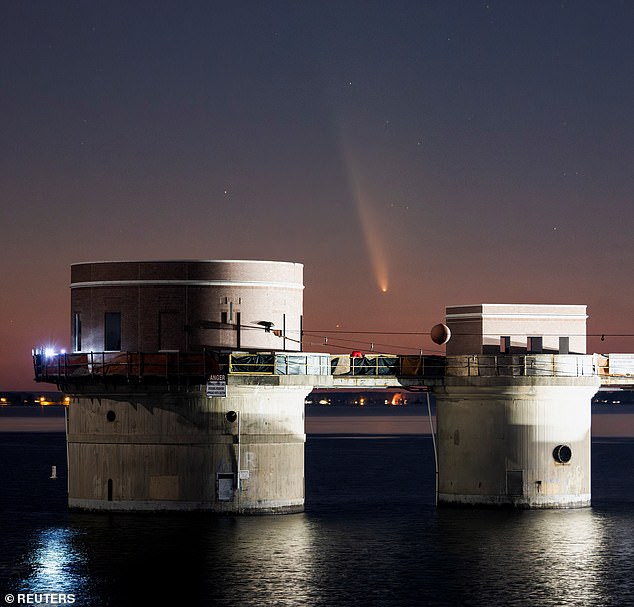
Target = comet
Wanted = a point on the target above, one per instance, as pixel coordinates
(373, 242)
(370, 227)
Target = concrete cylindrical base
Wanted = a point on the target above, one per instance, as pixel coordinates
(522, 442)
(243, 453)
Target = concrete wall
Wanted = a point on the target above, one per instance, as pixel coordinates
(187, 305)
(497, 435)
(476, 329)
(170, 451)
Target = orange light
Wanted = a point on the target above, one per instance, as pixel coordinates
(397, 399)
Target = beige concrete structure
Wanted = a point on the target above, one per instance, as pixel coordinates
(148, 429)
(516, 329)
(505, 440)
(188, 385)
(514, 427)
(156, 450)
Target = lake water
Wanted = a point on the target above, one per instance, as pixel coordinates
(370, 535)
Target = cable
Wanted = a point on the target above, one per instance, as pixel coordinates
(369, 332)
(395, 347)
(333, 331)
(371, 345)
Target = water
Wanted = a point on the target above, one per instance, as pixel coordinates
(371, 535)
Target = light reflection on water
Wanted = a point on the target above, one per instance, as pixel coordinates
(55, 563)
(370, 535)
(445, 557)
(550, 557)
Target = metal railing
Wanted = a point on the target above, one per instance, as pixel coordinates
(189, 365)
(377, 365)
(197, 366)
(522, 365)
(616, 365)
(278, 363)
(127, 365)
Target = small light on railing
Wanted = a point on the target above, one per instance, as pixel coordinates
(62, 351)
(49, 352)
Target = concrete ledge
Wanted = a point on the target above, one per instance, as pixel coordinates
(274, 507)
(185, 440)
(518, 382)
(582, 500)
(310, 381)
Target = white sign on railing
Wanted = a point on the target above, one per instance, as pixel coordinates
(217, 386)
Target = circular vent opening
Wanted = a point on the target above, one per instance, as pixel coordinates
(562, 454)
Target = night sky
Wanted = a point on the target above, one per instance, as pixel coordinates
(449, 152)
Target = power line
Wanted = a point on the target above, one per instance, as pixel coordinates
(426, 333)
(351, 343)
(378, 348)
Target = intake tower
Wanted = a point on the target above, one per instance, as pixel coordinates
(514, 416)
(155, 422)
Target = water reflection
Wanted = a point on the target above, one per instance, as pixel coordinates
(54, 562)
(262, 561)
(418, 556)
(371, 536)
(554, 557)
(192, 559)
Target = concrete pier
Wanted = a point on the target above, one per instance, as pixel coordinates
(162, 416)
(515, 441)
(182, 450)
(188, 386)
(514, 409)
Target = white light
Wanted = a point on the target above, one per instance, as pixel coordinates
(49, 352)
(62, 351)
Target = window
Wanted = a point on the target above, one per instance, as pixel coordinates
(227, 316)
(505, 344)
(534, 345)
(76, 332)
(112, 331)
(564, 345)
